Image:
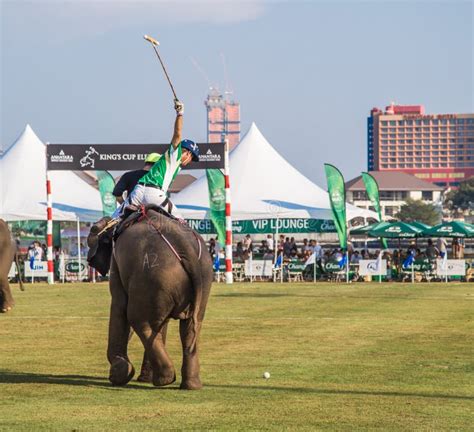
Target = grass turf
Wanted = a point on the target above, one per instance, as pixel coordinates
(341, 357)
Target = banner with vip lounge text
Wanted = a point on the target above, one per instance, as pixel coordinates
(267, 226)
(122, 157)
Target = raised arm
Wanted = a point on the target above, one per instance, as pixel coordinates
(178, 124)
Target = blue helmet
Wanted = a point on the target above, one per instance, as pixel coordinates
(192, 147)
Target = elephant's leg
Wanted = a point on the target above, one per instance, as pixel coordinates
(163, 372)
(6, 298)
(121, 370)
(190, 379)
(146, 373)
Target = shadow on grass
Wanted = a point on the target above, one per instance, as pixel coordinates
(90, 381)
(409, 296)
(73, 380)
(339, 392)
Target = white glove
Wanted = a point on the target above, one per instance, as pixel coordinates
(179, 107)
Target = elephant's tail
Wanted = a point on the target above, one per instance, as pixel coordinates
(20, 280)
(196, 278)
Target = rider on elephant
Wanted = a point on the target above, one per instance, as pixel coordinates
(152, 188)
(130, 179)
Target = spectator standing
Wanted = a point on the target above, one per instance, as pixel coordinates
(441, 245)
(35, 252)
(457, 248)
(270, 243)
(431, 251)
(287, 247)
(355, 258)
(248, 244)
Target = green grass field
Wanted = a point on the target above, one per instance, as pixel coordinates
(341, 357)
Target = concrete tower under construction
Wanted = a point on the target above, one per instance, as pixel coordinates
(223, 117)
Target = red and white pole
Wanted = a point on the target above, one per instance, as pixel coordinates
(49, 230)
(228, 218)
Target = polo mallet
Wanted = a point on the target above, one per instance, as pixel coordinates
(155, 43)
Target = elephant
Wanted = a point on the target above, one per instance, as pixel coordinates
(159, 270)
(7, 255)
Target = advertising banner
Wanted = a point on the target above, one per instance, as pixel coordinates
(372, 267)
(120, 157)
(261, 268)
(451, 267)
(268, 226)
(106, 187)
(39, 270)
(372, 188)
(70, 270)
(337, 198)
(216, 188)
(12, 272)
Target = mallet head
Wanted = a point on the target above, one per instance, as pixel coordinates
(150, 39)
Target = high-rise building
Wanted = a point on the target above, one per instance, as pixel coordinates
(223, 117)
(438, 148)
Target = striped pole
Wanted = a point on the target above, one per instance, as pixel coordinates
(49, 230)
(228, 218)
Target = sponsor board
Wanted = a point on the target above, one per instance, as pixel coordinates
(72, 272)
(296, 266)
(81, 157)
(258, 268)
(12, 272)
(372, 267)
(333, 267)
(39, 270)
(451, 267)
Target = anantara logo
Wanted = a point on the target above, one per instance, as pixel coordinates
(62, 157)
(209, 156)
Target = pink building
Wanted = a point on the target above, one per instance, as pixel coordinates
(223, 118)
(438, 148)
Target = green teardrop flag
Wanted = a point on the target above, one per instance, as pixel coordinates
(337, 198)
(372, 188)
(106, 186)
(216, 186)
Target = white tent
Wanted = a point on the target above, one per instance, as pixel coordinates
(23, 186)
(263, 186)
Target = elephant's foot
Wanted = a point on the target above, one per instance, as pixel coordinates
(146, 373)
(145, 376)
(164, 378)
(6, 306)
(191, 384)
(121, 371)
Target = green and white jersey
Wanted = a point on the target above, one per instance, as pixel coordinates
(164, 170)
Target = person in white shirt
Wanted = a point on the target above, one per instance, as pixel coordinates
(270, 242)
(35, 252)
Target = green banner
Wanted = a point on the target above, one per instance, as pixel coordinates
(337, 198)
(267, 226)
(106, 186)
(216, 186)
(372, 188)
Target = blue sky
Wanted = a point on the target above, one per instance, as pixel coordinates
(307, 73)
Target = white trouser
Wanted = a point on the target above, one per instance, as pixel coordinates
(145, 195)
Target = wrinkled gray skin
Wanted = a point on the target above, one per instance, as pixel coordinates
(149, 286)
(7, 255)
